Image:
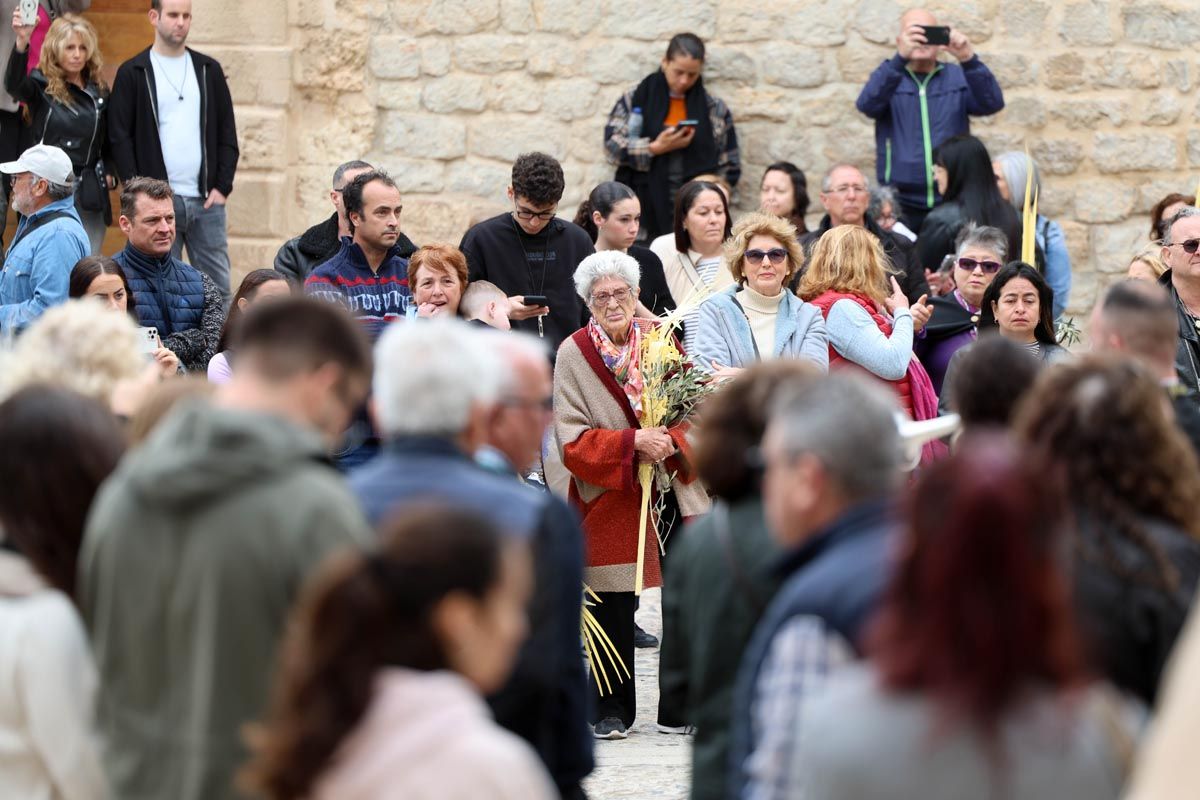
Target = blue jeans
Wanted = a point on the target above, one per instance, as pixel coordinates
(202, 231)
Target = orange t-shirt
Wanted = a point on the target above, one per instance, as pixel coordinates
(676, 113)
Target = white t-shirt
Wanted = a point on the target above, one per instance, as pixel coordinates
(178, 95)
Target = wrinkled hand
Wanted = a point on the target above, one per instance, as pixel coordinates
(518, 310)
(23, 32)
(921, 312)
(167, 361)
(940, 283)
(960, 46)
(215, 198)
(897, 300)
(653, 444)
(723, 373)
(672, 139)
(429, 310)
(911, 38)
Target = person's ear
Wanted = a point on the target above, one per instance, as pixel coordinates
(597, 220)
(453, 620)
(125, 224)
(995, 315)
(512, 196)
(242, 303)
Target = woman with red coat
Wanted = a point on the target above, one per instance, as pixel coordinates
(868, 319)
(597, 417)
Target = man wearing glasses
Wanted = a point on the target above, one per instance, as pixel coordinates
(529, 253)
(1181, 253)
(846, 196)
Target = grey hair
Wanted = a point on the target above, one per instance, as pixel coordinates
(430, 374)
(991, 239)
(827, 178)
(606, 264)
(339, 174)
(514, 347)
(58, 191)
(1015, 168)
(1183, 213)
(848, 423)
(881, 195)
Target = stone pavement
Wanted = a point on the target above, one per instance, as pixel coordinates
(648, 764)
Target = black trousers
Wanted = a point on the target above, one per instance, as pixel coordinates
(671, 703)
(614, 612)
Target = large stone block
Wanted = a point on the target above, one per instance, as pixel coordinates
(1012, 70)
(262, 138)
(248, 254)
(514, 91)
(972, 17)
(878, 21)
(223, 22)
(1091, 113)
(857, 60)
(435, 57)
(1090, 23)
(256, 75)
(831, 105)
(478, 178)
(332, 60)
(1124, 70)
(571, 99)
(506, 137)
(798, 68)
(1103, 200)
(1025, 20)
(726, 65)
(1161, 109)
(550, 16)
(1113, 153)
(1193, 148)
(395, 57)
(458, 17)
(655, 21)
(805, 22)
(1150, 192)
(490, 53)
(254, 208)
(1057, 156)
(398, 95)
(1064, 72)
(1112, 246)
(1023, 111)
(548, 59)
(620, 62)
(766, 142)
(455, 93)
(1177, 74)
(444, 218)
(412, 175)
(1163, 25)
(421, 134)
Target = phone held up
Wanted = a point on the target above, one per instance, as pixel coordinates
(936, 34)
(536, 300)
(29, 12)
(148, 341)
(687, 123)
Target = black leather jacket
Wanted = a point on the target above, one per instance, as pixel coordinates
(77, 128)
(1187, 358)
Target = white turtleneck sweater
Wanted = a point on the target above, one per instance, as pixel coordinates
(762, 312)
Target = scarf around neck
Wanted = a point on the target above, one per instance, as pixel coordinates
(623, 362)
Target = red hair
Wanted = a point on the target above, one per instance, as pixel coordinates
(979, 607)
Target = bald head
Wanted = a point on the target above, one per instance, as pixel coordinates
(1137, 318)
(917, 16)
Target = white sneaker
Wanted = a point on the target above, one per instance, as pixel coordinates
(685, 730)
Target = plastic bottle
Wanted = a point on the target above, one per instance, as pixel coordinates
(635, 123)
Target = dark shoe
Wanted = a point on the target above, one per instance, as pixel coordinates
(609, 728)
(684, 730)
(643, 639)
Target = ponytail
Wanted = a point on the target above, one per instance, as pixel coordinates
(602, 199)
(583, 218)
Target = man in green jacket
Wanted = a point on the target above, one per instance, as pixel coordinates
(197, 547)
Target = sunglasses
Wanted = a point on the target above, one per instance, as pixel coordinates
(969, 264)
(1190, 246)
(776, 254)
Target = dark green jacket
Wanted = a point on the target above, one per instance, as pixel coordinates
(709, 615)
(193, 556)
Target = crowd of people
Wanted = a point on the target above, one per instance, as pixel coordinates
(376, 521)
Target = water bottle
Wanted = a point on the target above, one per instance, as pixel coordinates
(635, 123)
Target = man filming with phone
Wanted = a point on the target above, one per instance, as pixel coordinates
(918, 102)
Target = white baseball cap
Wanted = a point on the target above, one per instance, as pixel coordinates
(45, 161)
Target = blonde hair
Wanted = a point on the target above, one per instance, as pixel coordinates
(52, 50)
(80, 345)
(1151, 256)
(758, 223)
(712, 177)
(848, 259)
(476, 297)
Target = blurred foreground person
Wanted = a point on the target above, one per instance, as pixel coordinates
(991, 377)
(260, 285)
(385, 663)
(725, 578)
(197, 546)
(1132, 480)
(975, 686)
(833, 458)
(56, 448)
(438, 390)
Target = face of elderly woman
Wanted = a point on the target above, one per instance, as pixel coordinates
(612, 303)
(974, 271)
(437, 291)
(765, 264)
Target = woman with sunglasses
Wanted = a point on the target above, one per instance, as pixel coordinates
(979, 253)
(756, 319)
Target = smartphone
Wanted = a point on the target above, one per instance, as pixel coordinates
(686, 123)
(936, 34)
(148, 340)
(536, 300)
(29, 12)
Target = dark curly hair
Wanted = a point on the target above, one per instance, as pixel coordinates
(1105, 422)
(538, 178)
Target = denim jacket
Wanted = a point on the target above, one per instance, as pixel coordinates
(36, 272)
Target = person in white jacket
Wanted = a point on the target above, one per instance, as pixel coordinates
(56, 448)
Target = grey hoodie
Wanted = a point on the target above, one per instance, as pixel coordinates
(194, 553)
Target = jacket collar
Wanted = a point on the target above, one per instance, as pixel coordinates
(144, 262)
(321, 238)
(1187, 329)
(355, 255)
(426, 445)
(855, 521)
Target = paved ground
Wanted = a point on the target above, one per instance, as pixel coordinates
(648, 764)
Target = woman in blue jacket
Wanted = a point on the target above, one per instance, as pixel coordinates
(757, 319)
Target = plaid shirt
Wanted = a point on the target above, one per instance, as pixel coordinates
(803, 654)
(622, 151)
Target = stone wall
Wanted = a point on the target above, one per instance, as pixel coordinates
(444, 93)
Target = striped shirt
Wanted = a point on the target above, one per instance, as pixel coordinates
(373, 298)
(707, 269)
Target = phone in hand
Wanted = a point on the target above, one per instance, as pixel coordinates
(536, 300)
(29, 12)
(686, 123)
(148, 341)
(936, 34)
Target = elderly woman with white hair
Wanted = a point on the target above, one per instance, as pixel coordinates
(1012, 171)
(597, 417)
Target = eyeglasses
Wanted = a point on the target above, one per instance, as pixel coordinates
(856, 188)
(776, 254)
(1190, 246)
(969, 264)
(526, 214)
(604, 298)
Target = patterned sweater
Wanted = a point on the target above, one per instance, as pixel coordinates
(373, 298)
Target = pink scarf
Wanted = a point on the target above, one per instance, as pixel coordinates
(925, 406)
(623, 362)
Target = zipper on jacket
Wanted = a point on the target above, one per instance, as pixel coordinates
(95, 131)
(887, 160)
(153, 102)
(204, 188)
(925, 132)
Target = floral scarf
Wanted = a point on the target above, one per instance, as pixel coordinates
(622, 362)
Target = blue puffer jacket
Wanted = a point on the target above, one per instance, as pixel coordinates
(912, 119)
(167, 293)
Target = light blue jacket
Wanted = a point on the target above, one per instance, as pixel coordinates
(723, 333)
(36, 272)
(1053, 241)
